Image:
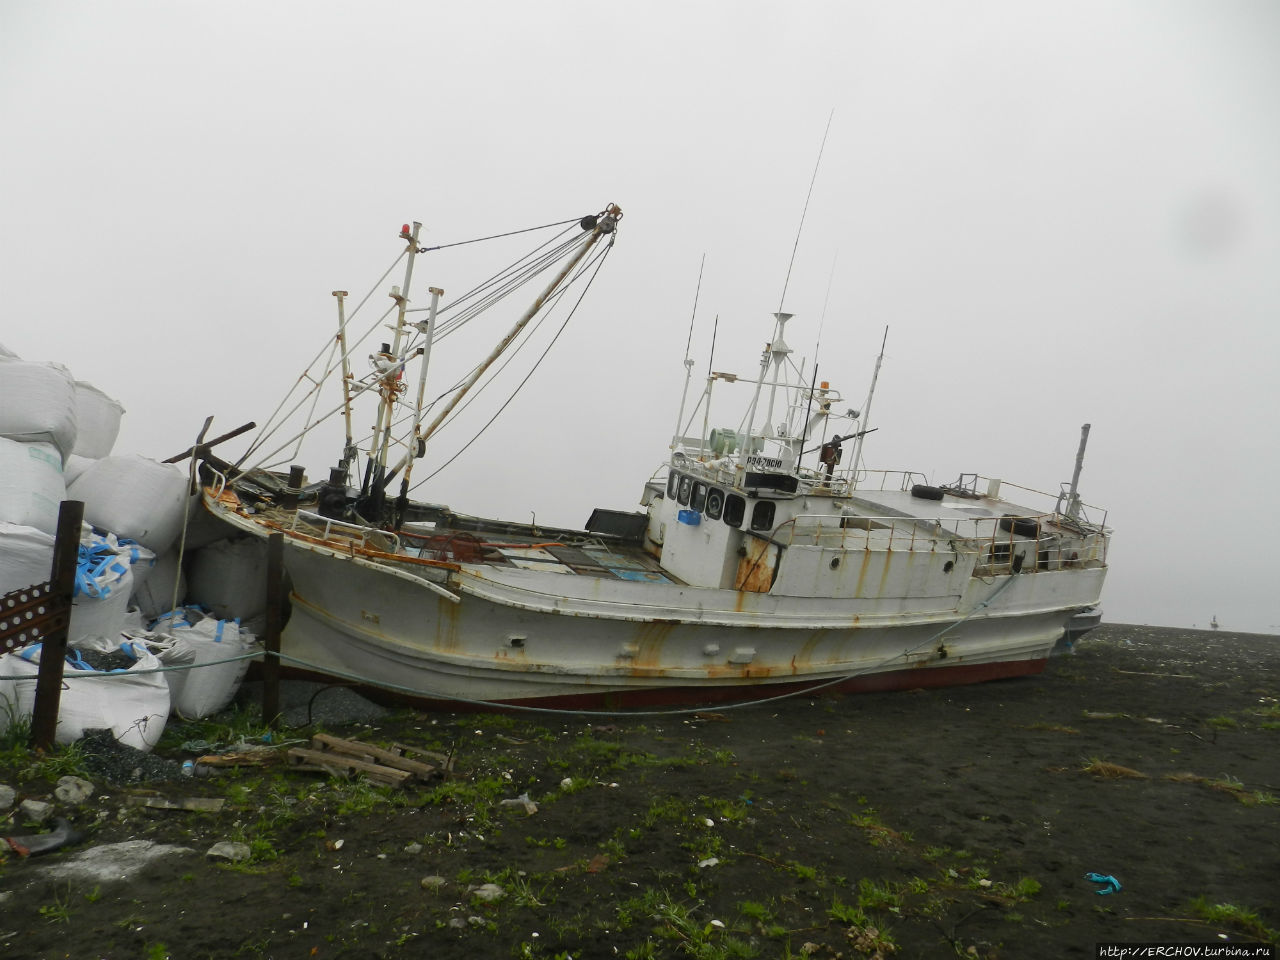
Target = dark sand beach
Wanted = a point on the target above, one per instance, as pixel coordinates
(941, 823)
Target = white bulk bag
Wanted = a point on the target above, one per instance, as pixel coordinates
(75, 466)
(229, 578)
(38, 403)
(31, 484)
(26, 557)
(97, 421)
(133, 704)
(209, 645)
(104, 582)
(134, 498)
(153, 587)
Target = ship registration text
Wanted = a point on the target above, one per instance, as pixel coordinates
(764, 463)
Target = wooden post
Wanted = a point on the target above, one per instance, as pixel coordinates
(62, 578)
(275, 613)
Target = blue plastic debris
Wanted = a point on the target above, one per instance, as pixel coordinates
(1110, 883)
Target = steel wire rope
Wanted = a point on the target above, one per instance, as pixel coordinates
(498, 236)
(546, 262)
(275, 421)
(598, 261)
(370, 380)
(525, 339)
(503, 286)
(267, 427)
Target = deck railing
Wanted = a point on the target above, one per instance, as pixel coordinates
(1025, 545)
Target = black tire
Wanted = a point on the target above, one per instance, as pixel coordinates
(922, 492)
(1021, 526)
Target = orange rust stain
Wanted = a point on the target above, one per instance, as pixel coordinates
(862, 572)
(805, 656)
(650, 639)
(447, 614)
(755, 570)
(884, 573)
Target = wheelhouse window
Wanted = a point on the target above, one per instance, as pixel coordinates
(715, 503)
(698, 499)
(686, 487)
(673, 484)
(762, 515)
(735, 508)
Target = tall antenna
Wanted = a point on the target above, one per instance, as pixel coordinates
(688, 361)
(800, 228)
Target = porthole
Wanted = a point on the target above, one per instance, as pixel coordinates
(735, 508)
(835, 563)
(698, 499)
(715, 503)
(762, 515)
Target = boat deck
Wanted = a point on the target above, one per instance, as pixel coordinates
(610, 561)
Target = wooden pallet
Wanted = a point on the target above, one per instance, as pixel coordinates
(345, 758)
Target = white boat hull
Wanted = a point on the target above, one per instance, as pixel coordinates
(521, 638)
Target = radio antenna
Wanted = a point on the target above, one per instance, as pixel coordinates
(800, 228)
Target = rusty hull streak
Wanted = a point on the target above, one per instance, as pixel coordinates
(862, 571)
(650, 639)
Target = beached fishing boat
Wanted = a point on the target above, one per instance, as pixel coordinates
(764, 558)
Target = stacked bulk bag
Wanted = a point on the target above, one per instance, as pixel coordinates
(75, 466)
(104, 582)
(134, 498)
(154, 582)
(31, 484)
(38, 404)
(211, 647)
(26, 557)
(133, 703)
(229, 578)
(97, 421)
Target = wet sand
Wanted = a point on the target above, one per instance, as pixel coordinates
(939, 823)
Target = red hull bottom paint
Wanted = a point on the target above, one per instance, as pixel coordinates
(694, 696)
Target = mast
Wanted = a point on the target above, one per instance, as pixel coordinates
(428, 330)
(1073, 498)
(349, 448)
(866, 411)
(390, 365)
(688, 360)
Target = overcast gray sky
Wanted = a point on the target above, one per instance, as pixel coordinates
(1064, 213)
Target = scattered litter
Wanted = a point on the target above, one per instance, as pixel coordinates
(30, 845)
(229, 850)
(709, 862)
(196, 804)
(1110, 883)
(521, 801)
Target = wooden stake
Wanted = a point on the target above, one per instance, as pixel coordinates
(62, 578)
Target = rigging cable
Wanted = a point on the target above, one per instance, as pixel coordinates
(598, 262)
